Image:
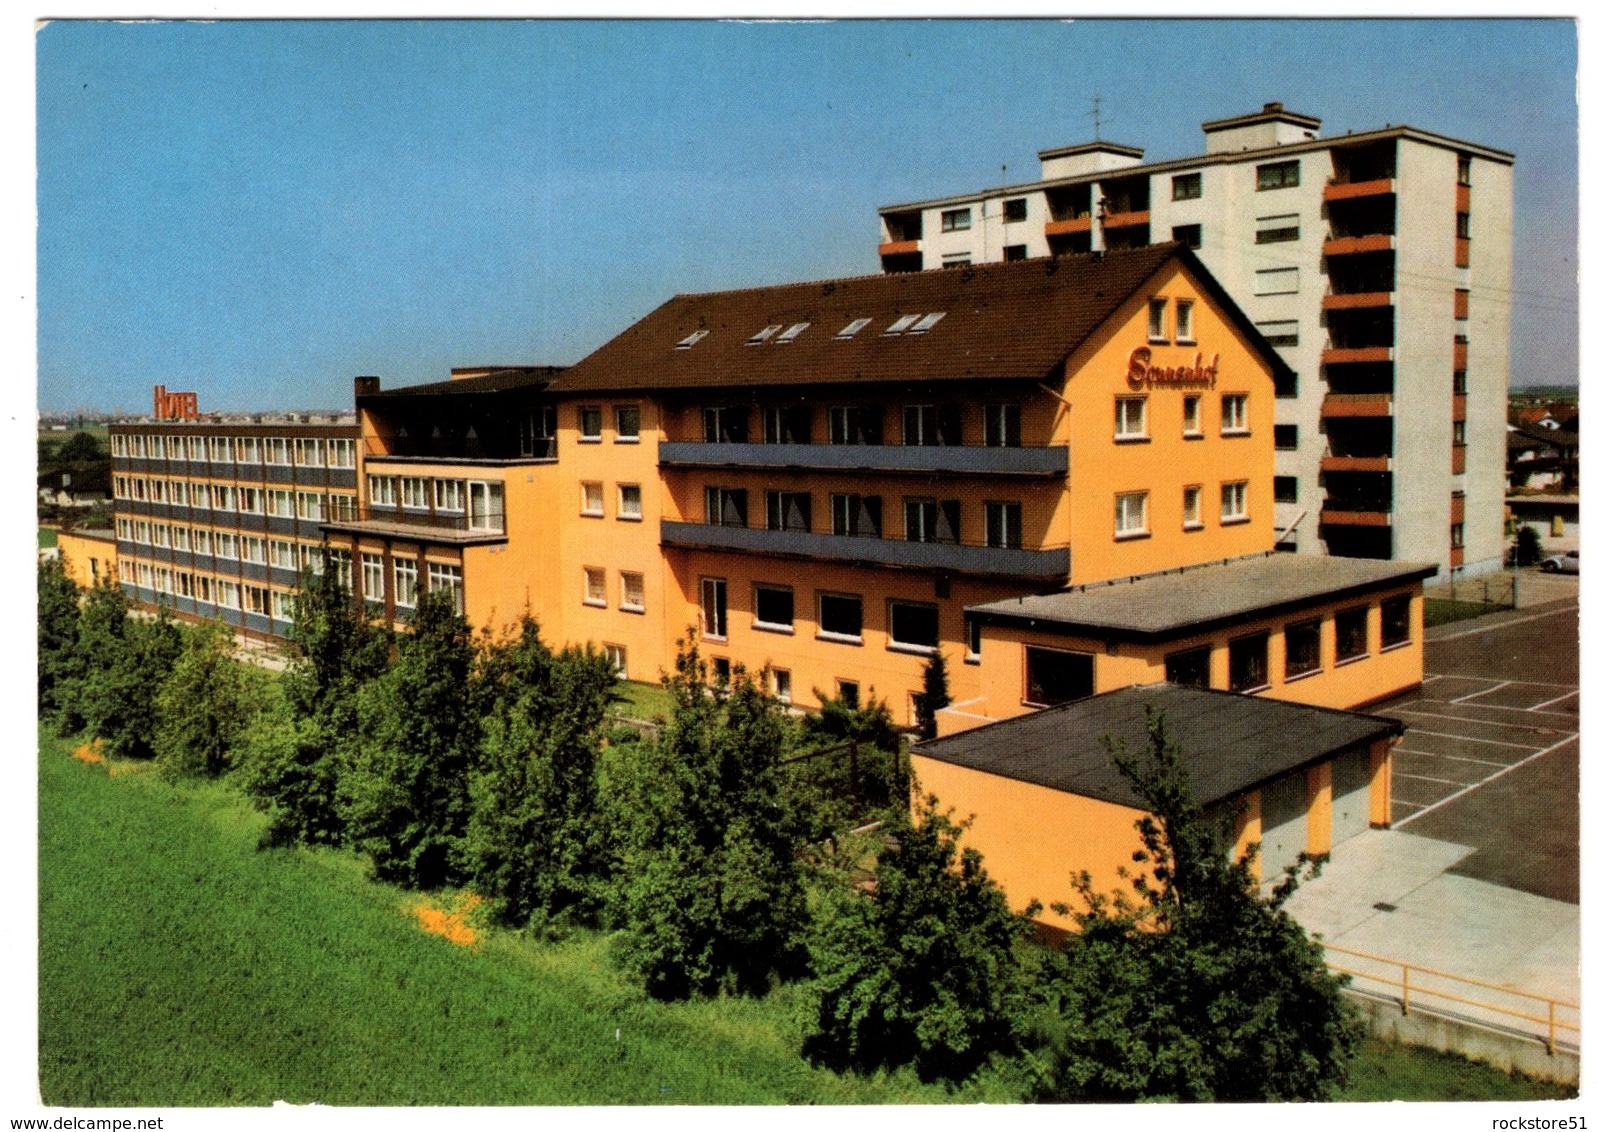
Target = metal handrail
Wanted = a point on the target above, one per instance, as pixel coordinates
(1408, 989)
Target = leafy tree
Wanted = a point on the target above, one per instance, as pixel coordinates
(934, 695)
(205, 705)
(924, 970)
(845, 789)
(1199, 988)
(533, 842)
(58, 635)
(405, 792)
(79, 448)
(298, 751)
(1528, 547)
(709, 891)
(118, 667)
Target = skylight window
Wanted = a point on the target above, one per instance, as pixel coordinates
(928, 322)
(792, 332)
(760, 337)
(901, 325)
(854, 328)
(691, 339)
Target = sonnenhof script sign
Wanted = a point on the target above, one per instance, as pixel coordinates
(1141, 373)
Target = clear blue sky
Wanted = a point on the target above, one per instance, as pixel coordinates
(260, 211)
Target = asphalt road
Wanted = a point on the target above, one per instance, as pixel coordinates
(1491, 755)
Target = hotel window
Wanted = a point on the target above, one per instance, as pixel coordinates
(726, 425)
(1189, 668)
(141, 530)
(311, 558)
(629, 501)
(1014, 253)
(157, 491)
(1187, 186)
(617, 655)
(119, 444)
(1054, 676)
(782, 685)
(121, 488)
(380, 491)
(341, 453)
(773, 608)
(372, 577)
(341, 505)
(202, 540)
(251, 500)
(310, 505)
(788, 510)
(1157, 320)
(179, 492)
(849, 693)
(1281, 229)
(1192, 507)
(485, 505)
(1276, 281)
(1350, 633)
(282, 605)
(227, 594)
(1131, 419)
(1456, 536)
(224, 544)
(1287, 438)
(185, 580)
(224, 497)
(1286, 489)
(405, 582)
(282, 554)
(1247, 665)
(280, 503)
(855, 424)
(1303, 648)
(160, 534)
(726, 506)
(1015, 210)
(252, 549)
(1234, 502)
(1278, 175)
(857, 515)
(1184, 320)
(912, 625)
(1234, 414)
(589, 423)
(163, 580)
(840, 617)
(222, 449)
(713, 607)
(930, 425)
(632, 591)
(1191, 235)
(202, 587)
(956, 219)
(447, 577)
(1131, 514)
(1192, 420)
(277, 450)
(1279, 332)
(628, 421)
(125, 530)
(1395, 621)
(1003, 525)
(413, 493)
(594, 585)
(449, 495)
(927, 520)
(180, 538)
(308, 452)
(249, 450)
(1001, 426)
(787, 424)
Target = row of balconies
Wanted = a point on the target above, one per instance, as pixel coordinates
(1049, 461)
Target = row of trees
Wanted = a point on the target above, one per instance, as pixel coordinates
(711, 850)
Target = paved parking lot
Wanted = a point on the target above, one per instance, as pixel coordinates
(1490, 758)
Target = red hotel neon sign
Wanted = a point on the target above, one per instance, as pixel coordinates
(1141, 375)
(176, 406)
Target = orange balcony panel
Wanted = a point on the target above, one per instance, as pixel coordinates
(1069, 227)
(1358, 245)
(1333, 355)
(1126, 219)
(1459, 406)
(1462, 198)
(1461, 304)
(1357, 301)
(1461, 355)
(1357, 405)
(1461, 252)
(1349, 190)
(1356, 518)
(899, 247)
(1459, 459)
(1356, 464)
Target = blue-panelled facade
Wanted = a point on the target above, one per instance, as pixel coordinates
(218, 521)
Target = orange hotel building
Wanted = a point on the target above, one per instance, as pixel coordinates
(821, 478)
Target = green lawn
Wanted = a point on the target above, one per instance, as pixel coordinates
(642, 701)
(180, 965)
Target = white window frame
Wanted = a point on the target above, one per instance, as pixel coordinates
(712, 608)
(380, 490)
(449, 495)
(1131, 418)
(1131, 514)
(1276, 281)
(448, 576)
(1184, 321)
(1234, 502)
(1192, 416)
(1192, 507)
(1234, 414)
(373, 588)
(632, 591)
(594, 586)
(772, 626)
(593, 499)
(1157, 307)
(630, 507)
(406, 579)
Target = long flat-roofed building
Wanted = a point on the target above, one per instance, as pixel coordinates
(1378, 265)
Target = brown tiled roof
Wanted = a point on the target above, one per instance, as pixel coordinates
(1003, 320)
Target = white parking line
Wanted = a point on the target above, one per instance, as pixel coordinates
(1469, 739)
(1560, 612)
(1407, 710)
(1484, 679)
(1483, 782)
(1424, 778)
(1408, 750)
(1483, 692)
(1555, 700)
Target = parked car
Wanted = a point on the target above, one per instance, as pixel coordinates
(1566, 563)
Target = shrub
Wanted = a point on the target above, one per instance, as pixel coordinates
(205, 705)
(58, 599)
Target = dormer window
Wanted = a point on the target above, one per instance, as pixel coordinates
(902, 324)
(691, 339)
(927, 323)
(792, 332)
(760, 336)
(854, 328)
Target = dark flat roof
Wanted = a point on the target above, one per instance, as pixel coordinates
(497, 381)
(1230, 743)
(1180, 602)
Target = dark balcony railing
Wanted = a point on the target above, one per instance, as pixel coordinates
(1053, 460)
(457, 524)
(1053, 565)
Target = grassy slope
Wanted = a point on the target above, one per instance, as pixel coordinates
(181, 966)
